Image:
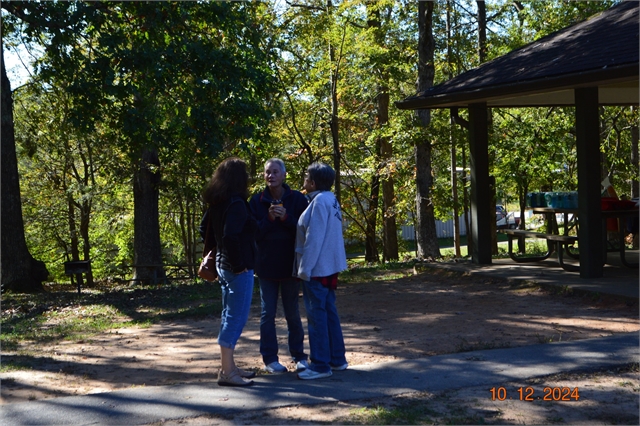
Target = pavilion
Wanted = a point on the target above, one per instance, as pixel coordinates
(587, 65)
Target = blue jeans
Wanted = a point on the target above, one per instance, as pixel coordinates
(237, 290)
(290, 290)
(325, 333)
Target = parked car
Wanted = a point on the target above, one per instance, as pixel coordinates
(506, 220)
(516, 217)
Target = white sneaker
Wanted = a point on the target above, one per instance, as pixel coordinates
(275, 368)
(340, 367)
(309, 374)
(302, 365)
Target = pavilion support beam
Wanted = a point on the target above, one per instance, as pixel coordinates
(589, 207)
(481, 211)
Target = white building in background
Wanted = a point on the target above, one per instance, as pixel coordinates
(443, 229)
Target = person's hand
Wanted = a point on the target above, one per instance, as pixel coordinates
(282, 212)
(276, 211)
(272, 213)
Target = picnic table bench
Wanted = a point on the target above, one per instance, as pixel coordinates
(173, 271)
(558, 244)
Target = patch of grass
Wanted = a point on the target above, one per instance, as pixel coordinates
(464, 420)
(531, 248)
(24, 361)
(407, 414)
(60, 314)
(564, 291)
(359, 271)
(202, 310)
(9, 365)
(544, 339)
(450, 253)
(411, 411)
(458, 415)
(524, 286)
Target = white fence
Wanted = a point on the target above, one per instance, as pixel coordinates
(443, 229)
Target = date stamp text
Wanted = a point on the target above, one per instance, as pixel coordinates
(530, 394)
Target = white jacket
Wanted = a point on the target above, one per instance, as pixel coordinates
(319, 243)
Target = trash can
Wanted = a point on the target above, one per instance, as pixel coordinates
(75, 267)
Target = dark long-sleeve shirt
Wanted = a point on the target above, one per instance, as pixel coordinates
(276, 238)
(234, 230)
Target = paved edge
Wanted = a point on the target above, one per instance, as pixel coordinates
(437, 373)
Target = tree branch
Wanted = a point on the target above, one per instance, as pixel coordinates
(305, 6)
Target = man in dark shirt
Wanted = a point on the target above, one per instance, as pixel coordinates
(277, 210)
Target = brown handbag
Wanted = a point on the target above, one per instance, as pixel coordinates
(207, 269)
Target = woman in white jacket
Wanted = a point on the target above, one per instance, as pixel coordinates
(320, 256)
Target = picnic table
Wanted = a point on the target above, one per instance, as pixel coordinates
(619, 216)
(556, 243)
(563, 243)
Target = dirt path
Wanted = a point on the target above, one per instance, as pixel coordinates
(416, 316)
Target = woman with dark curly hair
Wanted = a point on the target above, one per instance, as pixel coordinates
(230, 219)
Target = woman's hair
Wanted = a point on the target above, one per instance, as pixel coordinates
(277, 161)
(229, 178)
(323, 176)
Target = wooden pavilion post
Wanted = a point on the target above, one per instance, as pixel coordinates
(480, 193)
(589, 208)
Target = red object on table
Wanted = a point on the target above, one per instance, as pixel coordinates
(609, 203)
(625, 205)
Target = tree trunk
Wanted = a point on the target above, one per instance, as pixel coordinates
(73, 233)
(426, 236)
(371, 246)
(454, 190)
(85, 214)
(634, 161)
(492, 213)
(188, 223)
(482, 57)
(148, 267)
(335, 134)
(522, 197)
(482, 31)
(335, 129)
(20, 272)
(384, 150)
(452, 140)
(389, 228)
(465, 202)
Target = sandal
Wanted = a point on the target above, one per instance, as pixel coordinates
(233, 379)
(246, 374)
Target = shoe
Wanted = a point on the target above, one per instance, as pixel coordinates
(302, 365)
(232, 379)
(246, 374)
(340, 367)
(309, 374)
(275, 368)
